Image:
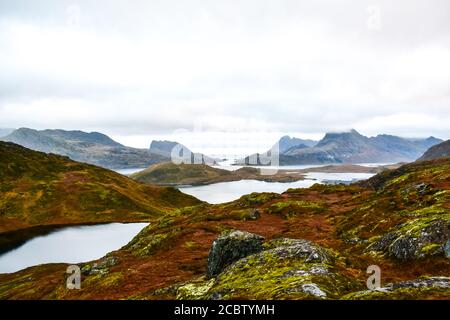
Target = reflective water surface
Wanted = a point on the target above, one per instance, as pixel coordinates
(70, 245)
(229, 191)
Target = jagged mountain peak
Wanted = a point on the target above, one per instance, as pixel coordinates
(287, 142)
(348, 136)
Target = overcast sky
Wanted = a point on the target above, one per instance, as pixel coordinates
(246, 70)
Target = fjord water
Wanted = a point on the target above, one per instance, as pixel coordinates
(130, 171)
(86, 243)
(70, 245)
(229, 191)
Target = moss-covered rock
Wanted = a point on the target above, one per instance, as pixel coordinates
(230, 247)
(422, 288)
(416, 239)
(292, 208)
(100, 267)
(283, 269)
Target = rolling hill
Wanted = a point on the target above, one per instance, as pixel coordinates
(38, 189)
(201, 174)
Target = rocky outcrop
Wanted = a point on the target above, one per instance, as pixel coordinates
(100, 267)
(231, 247)
(416, 239)
(281, 268)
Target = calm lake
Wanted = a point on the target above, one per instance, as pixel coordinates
(70, 245)
(229, 191)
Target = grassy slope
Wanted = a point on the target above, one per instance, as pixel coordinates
(189, 174)
(344, 219)
(437, 151)
(43, 189)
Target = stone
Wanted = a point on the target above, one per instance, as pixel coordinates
(231, 247)
(447, 249)
(298, 249)
(422, 188)
(101, 267)
(313, 289)
(414, 241)
(412, 289)
(254, 214)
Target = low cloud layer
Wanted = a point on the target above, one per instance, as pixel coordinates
(150, 68)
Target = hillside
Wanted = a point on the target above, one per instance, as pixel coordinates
(94, 148)
(352, 147)
(201, 174)
(183, 174)
(441, 150)
(39, 189)
(314, 243)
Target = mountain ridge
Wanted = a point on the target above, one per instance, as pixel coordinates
(179, 153)
(94, 148)
(437, 151)
(353, 147)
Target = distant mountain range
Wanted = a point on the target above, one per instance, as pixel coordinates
(440, 150)
(99, 149)
(94, 148)
(349, 147)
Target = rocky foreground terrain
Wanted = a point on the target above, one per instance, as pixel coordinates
(314, 243)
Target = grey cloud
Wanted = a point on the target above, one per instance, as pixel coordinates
(152, 67)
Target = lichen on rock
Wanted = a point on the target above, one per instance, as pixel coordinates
(230, 247)
(416, 239)
(100, 267)
(425, 287)
(280, 269)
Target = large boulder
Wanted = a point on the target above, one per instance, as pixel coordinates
(230, 247)
(283, 269)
